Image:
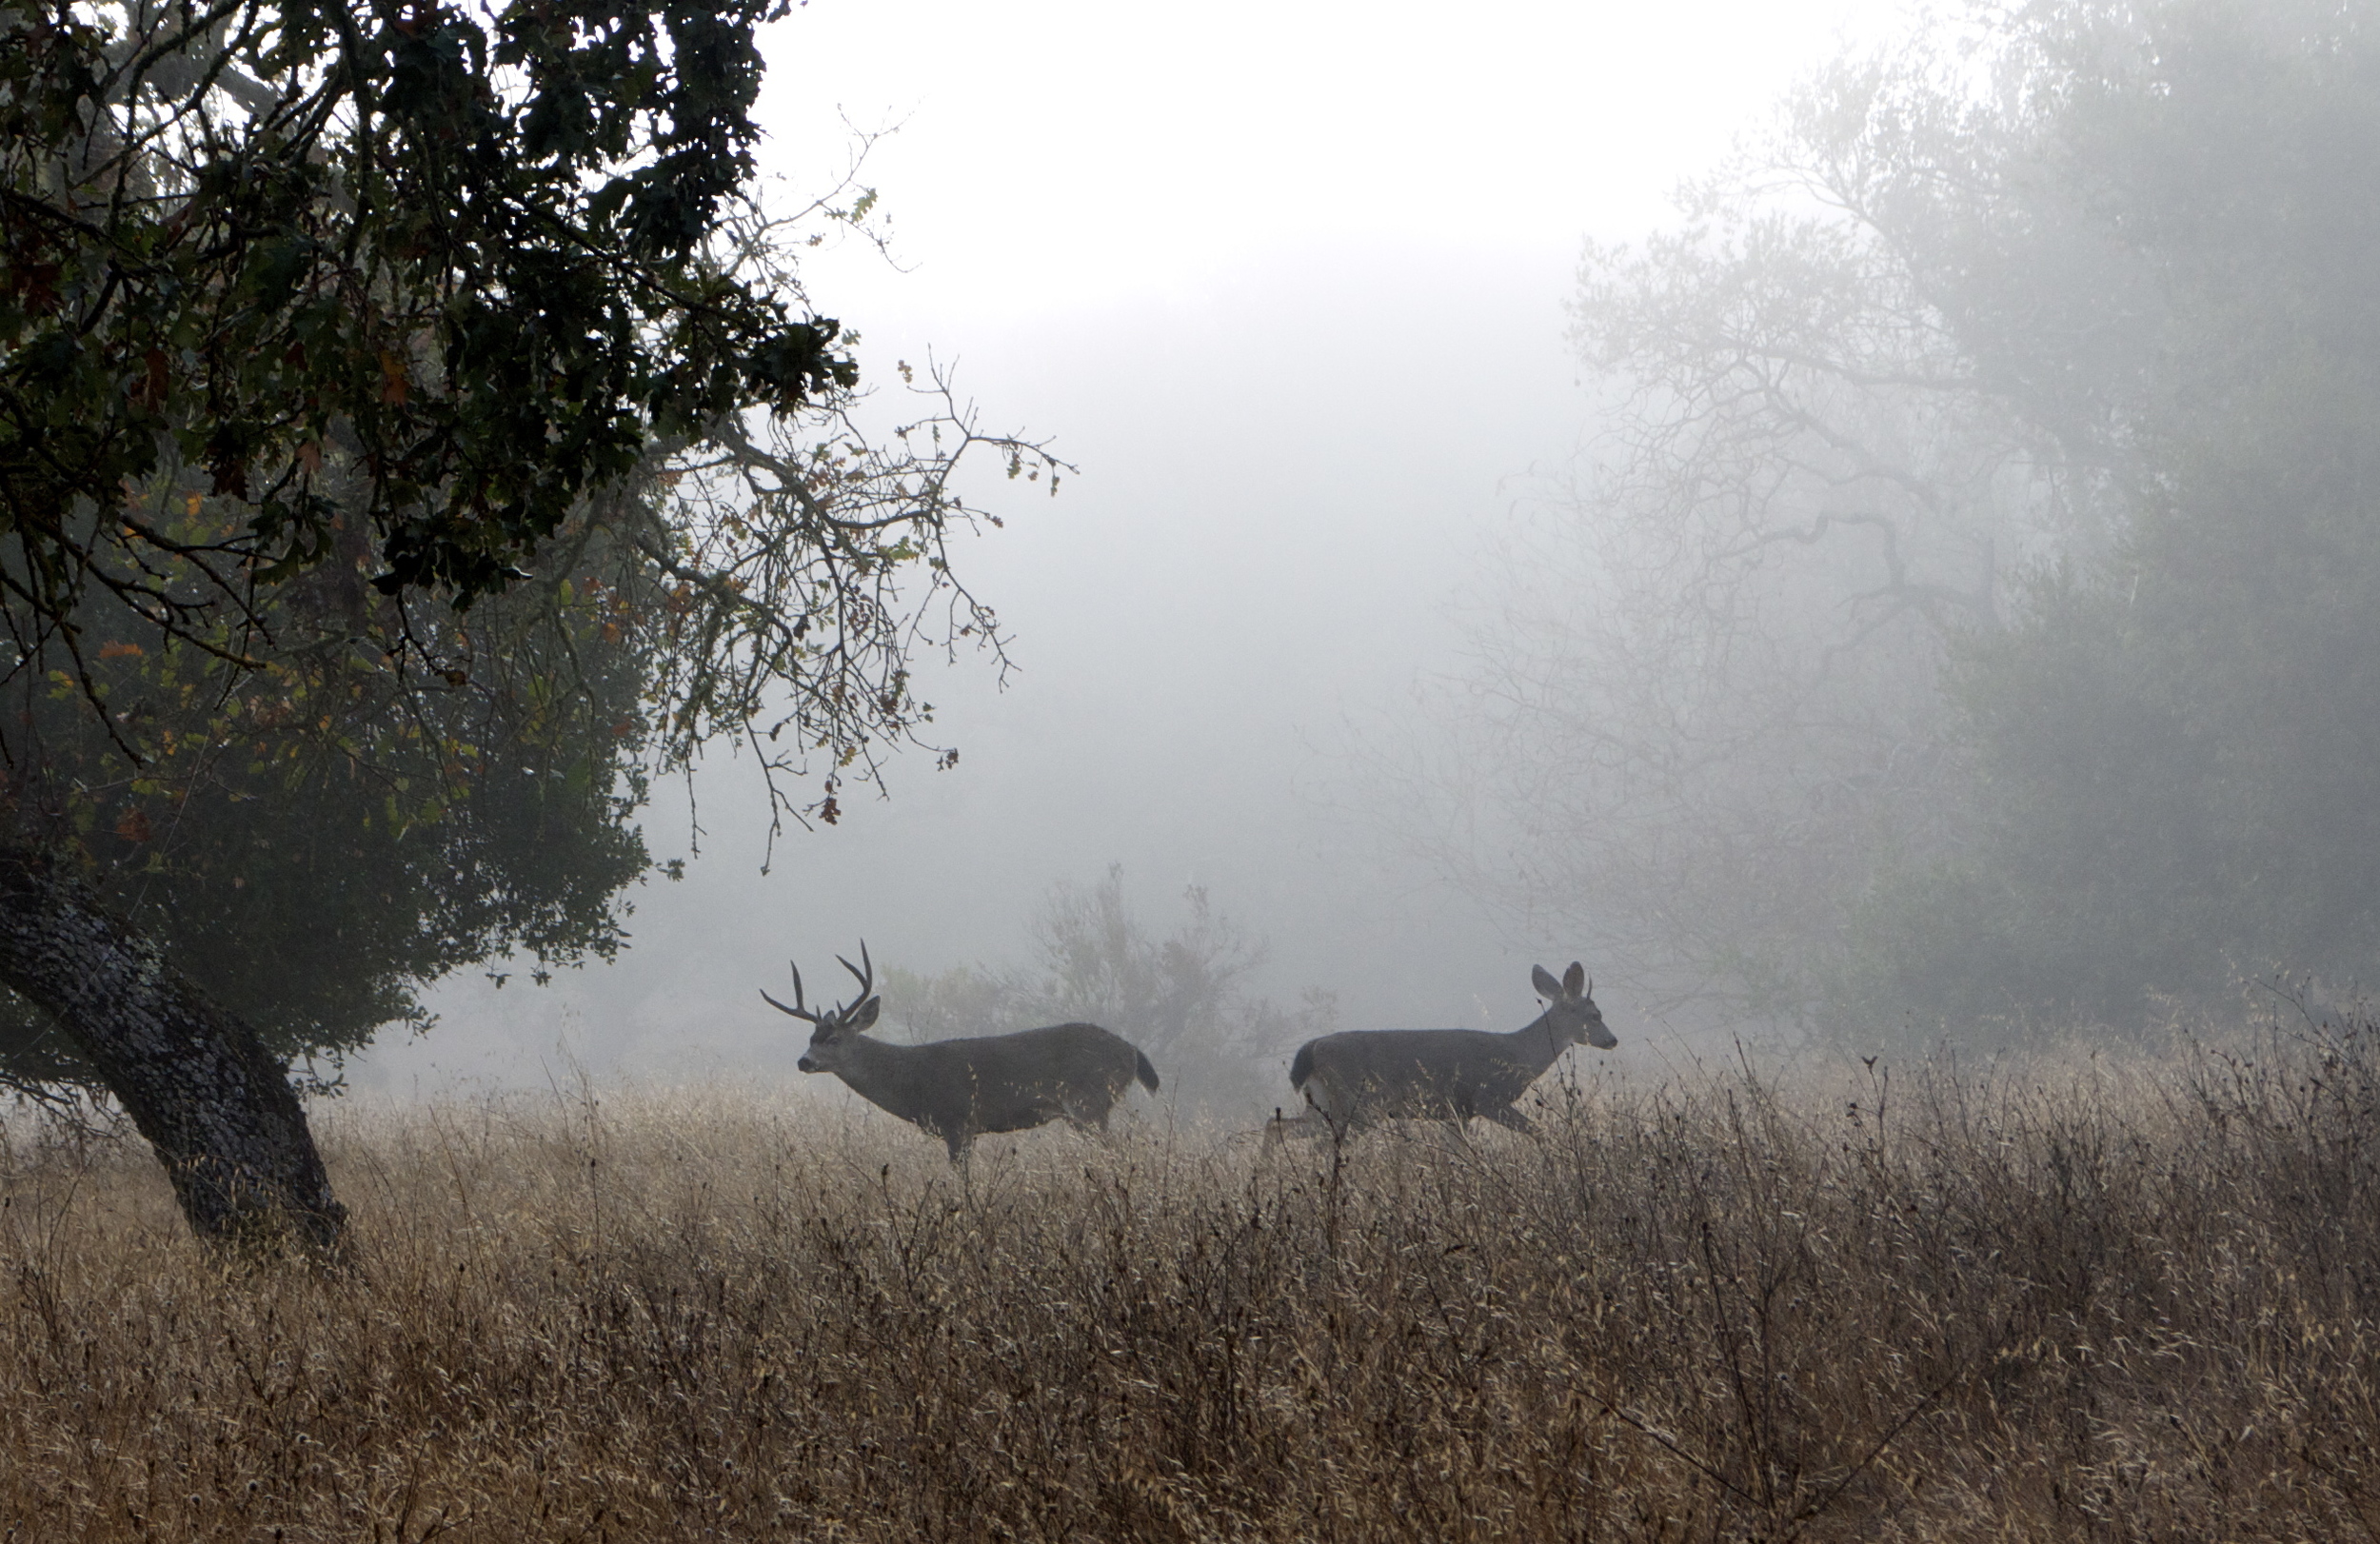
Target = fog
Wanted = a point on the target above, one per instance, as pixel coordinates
(1288, 286)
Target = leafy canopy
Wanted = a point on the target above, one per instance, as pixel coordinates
(465, 247)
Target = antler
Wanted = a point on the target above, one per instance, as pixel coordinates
(867, 980)
(866, 977)
(797, 1010)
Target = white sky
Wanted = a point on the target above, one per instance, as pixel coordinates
(1061, 156)
(1288, 281)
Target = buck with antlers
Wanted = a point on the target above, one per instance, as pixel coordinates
(959, 1090)
(1363, 1075)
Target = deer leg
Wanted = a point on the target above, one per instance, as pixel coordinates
(1282, 1127)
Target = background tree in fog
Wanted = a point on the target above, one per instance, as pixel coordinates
(1968, 609)
(1182, 998)
(413, 436)
(2177, 744)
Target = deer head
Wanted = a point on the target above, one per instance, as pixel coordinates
(1571, 1012)
(833, 1031)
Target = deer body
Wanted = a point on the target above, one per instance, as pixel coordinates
(1360, 1077)
(959, 1090)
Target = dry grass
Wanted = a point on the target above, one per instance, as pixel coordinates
(2082, 1303)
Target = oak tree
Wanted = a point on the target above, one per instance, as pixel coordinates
(413, 435)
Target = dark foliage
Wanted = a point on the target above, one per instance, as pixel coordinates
(466, 248)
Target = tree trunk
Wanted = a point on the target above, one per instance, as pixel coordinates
(216, 1105)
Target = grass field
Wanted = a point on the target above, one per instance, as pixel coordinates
(2079, 1299)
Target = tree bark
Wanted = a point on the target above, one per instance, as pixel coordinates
(216, 1105)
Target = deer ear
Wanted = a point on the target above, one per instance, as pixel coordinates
(1548, 988)
(1573, 980)
(864, 1014)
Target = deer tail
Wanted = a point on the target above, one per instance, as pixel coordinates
(1302, 1068)
(1147, 1072)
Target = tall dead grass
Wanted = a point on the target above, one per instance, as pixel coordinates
(2075, 1300)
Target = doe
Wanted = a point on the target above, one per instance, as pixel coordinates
(1360, 1077)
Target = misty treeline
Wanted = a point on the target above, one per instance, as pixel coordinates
(1184, 997)
(1970, 608)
